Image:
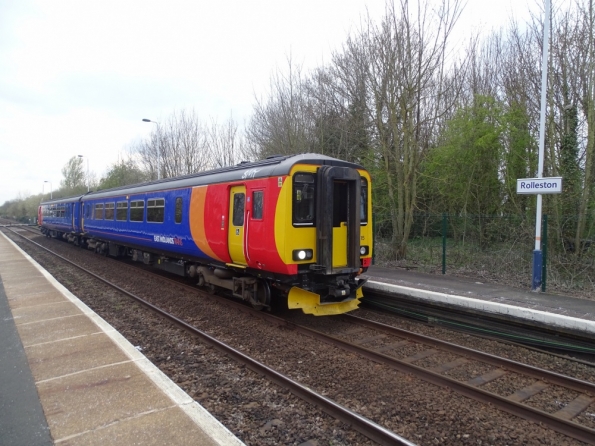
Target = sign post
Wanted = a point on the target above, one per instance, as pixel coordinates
(537, 255)
(538, 186)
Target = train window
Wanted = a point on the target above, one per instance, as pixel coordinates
(122, 210)
(137, 210)
(304, 199)
(340, 199)
(179, 210)
(257, 204)
(155, 210)
(109, 211)
(364, 202)
(238, 209)
(99, 211)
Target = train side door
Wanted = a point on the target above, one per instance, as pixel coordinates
(237, 217)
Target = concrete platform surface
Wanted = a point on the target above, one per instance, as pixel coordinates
(67, 377)
(564, 312)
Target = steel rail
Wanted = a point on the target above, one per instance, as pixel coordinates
(365, 426)
(563, 426)
(535, 372)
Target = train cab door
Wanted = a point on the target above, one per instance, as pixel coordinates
(338, 219)
(236, 229)
(340, 242)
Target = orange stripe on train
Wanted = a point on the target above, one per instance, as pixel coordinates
(197, 221)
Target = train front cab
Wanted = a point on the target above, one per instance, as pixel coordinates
(329, 237)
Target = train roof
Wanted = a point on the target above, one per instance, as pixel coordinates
(270, 167)
(71, 199)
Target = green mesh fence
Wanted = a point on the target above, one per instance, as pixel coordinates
(491, 248)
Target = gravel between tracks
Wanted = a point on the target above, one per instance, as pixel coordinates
(259, 412)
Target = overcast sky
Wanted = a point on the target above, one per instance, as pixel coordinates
(77, 77)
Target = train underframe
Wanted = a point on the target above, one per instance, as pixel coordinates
(313, 293)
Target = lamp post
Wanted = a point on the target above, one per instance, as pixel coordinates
(51, 193)
(158, 149)
(83, 156)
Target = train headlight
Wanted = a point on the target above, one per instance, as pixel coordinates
(302, 254)
(364, 250)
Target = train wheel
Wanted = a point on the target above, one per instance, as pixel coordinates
(263, 296)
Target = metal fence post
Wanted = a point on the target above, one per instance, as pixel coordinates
(544, 250)
(444, 228)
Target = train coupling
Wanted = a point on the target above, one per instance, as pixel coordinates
(310, 303)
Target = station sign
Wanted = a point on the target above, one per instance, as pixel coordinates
(552, 185)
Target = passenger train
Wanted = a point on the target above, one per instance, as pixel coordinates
(290, 229)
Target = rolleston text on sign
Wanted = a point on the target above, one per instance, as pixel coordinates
(552, 185)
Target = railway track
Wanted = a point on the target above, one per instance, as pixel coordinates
(360, 423)
(391, 346)
(433, 361)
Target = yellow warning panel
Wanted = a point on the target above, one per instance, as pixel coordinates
(310, 303)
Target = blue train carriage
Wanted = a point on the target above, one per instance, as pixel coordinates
(143, 221)
(61, 218)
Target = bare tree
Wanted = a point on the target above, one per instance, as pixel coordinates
(223, 142)
(178, 146)
(407, 56)
(586, 99)
(280, 124)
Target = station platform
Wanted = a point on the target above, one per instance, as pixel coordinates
(67, 377)
(570, 314)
